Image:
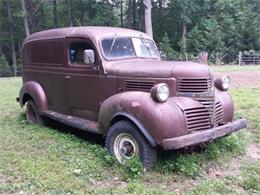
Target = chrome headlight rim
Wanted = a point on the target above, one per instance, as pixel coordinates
(222, 83)
(160, 92)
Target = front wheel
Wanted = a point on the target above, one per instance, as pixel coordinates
(124, 141)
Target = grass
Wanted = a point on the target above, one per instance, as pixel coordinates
(251, 173)
(235, 68)
(35, 159)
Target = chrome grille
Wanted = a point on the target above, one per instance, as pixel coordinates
(218, 115)
(194, 85)
(138, 85)
(208, 103)
(197, 119)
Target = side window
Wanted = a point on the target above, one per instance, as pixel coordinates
(76, 52)
(47, 52)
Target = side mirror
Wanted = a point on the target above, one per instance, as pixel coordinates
(89, 56)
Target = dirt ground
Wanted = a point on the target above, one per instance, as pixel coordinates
(243, 79)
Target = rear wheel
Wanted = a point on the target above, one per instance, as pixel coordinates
(124, 141)
(32, 113)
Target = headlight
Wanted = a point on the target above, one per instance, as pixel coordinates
(225, 82)
(160, 92)
(222, 83)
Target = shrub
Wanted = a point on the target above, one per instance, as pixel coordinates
(5, 70)
(166, 49)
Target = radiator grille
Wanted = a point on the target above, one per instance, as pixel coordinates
(197, 119)
(208, 103)
(218, 115)
(197, 85)
(138, 85)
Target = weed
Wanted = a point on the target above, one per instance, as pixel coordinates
(133, 168)
(251, 179)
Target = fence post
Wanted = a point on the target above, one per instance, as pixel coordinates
(240, 58)
(217, 59)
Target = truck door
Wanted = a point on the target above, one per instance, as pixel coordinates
(82, 80)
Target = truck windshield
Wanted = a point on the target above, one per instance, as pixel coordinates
(125, 47)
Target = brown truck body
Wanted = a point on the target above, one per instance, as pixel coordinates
(94, 97)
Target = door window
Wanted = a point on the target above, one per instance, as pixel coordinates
(76, 52)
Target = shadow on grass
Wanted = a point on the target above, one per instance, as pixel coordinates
(55, 125)
(188, 161)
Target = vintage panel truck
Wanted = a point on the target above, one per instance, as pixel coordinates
(112, 81)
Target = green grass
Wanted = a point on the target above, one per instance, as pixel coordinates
(235, 68)
(251, 177)
(36, 159)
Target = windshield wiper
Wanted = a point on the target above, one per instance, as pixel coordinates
(147, 47)
(111, 48)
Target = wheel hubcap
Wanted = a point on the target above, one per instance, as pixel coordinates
(125, 147)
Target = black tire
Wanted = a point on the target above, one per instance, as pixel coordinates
(124, 129)
(32, 113)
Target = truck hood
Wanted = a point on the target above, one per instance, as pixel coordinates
(157, 69)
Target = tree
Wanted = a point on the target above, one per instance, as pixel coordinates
(1, 51)
(70, 14)
(121, 13)
(223, 26)
(54, 13)
(166, 48)
(11, 32)
(148, 17)
(4, 67)
(25, 19)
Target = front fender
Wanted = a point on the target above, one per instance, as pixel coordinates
(227, 104)
(36, 92)
(162, 120)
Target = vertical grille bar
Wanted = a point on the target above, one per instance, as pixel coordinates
(218, 115)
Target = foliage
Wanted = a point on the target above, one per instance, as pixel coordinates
(166, 48)
(223, 26)
(134, 168)
(251, 180)
(4, 67)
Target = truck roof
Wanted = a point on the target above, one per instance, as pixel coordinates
(92, 32)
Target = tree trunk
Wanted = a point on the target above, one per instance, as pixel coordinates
(183, 39)
(1, 51)
(109, 17)
(54, 13)
(10, 24)
(129, 14)
(141, 16)
(121, 13)
(42, 15)
(32, 14)
(134, 14)
(148, 17)
(70, 15)
(25, 19)
(160, 17)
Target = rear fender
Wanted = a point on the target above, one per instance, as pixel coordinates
(32, 89)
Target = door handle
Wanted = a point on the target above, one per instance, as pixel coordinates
(67, 77)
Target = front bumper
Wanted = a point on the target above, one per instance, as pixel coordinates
(203, 136)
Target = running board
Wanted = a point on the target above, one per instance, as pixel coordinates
(73, 121)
